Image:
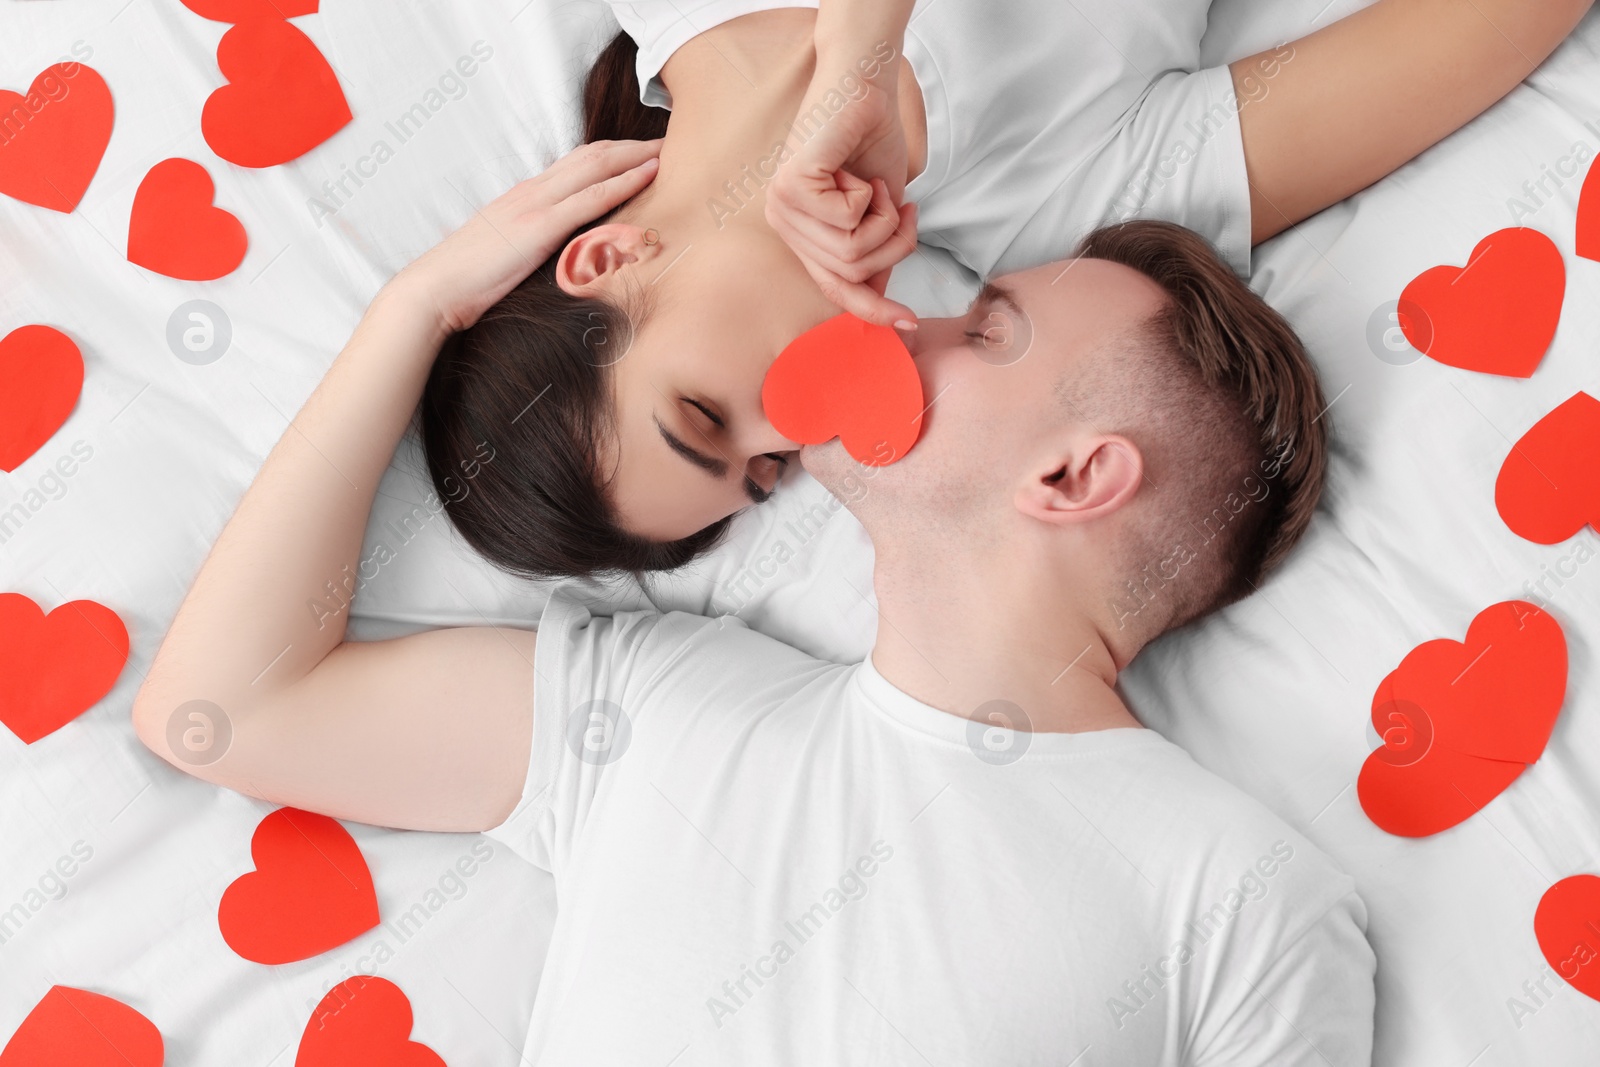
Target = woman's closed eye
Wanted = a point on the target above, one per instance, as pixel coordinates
(706, 410)
(761, 473)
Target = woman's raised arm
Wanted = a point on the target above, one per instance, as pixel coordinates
(1362, 96)
(430, 731)
(837, 201)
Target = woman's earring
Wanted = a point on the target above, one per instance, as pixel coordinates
(651, 237)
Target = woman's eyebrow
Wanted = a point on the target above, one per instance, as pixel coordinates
(715, 467)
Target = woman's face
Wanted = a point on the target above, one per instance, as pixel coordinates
(692, 444)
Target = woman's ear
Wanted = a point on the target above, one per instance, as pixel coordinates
(592, 260)
(1092, 478)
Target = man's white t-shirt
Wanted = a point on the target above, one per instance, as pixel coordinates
(765, 858)
(1046, 119)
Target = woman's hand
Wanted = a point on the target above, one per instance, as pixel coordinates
(387, 732)
(511, 237)
(835, 201)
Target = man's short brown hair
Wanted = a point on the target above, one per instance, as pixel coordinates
(1237, 399)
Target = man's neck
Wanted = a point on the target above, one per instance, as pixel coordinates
(964, 634)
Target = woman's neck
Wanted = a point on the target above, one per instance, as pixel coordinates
(736, 89)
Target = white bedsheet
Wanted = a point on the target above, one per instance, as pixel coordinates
(1273, 694)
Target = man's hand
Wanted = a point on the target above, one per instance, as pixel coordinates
(835, 201)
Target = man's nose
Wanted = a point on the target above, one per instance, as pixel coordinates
(929, 334)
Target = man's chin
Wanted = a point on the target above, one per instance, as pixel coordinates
(824, 462)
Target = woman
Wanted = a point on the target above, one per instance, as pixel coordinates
(390, 732)
(1007, 129)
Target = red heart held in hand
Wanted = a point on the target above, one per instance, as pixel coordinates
(1588, 245)
(363, 1020)
(55, 667)
(244, 10)
(76, 1028)
(53, 138)
(1549, 487)
(1498, 314)
(847, 379)
(1461, 720)
(41, 375)
(176, 230)
(310, 891)
(1567, 925)
(282, 99)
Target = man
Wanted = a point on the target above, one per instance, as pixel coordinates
(966, 849)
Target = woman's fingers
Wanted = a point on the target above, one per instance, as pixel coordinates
(591, 201)
(855, 270)
(861, 300)
(839, 199)
(895, 239)
(880, 226)
(591, 164)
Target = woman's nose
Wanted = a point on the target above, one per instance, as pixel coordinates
(765, 438)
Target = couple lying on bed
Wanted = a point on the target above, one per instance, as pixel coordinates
(964, 849)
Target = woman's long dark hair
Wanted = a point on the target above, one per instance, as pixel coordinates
(527, 385)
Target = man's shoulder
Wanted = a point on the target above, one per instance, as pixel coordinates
(1217, 828)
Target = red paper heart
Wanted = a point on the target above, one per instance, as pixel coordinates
(76, 1028)
(1567, 924)
(55, 667)
(1497, 314)
(310, 891)
(282, 99)
(1549, 487)
(41, 375)
(1588, 245)
(49, 157)
(363, 1020)
(244, 10)
(847, 379)
(176, 230)
(1461, 720)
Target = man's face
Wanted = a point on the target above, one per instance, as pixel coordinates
(992, 380)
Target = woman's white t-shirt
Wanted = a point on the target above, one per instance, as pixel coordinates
(1046, 119)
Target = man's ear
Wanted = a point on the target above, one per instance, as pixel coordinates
(591, 260)
(1093, 477)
